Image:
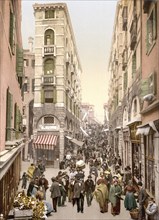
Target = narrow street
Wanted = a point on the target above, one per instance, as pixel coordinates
(69, 212)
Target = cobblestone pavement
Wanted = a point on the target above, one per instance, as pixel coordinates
(69, 212)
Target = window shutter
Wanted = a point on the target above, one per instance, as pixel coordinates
(8, 115)
(147, 36)
(154, 22)
(19, 61)
(144, 88)
(12, 32)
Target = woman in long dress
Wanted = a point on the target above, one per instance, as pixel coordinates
(115, 197)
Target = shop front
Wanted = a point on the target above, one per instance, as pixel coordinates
(136, 153)
(46, 145)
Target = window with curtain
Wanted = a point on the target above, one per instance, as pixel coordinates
(49, 66)
(50, 13)
(50, 96)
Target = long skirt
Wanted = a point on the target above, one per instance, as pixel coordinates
(115, 210)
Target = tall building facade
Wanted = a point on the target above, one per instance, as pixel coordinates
(28, 98)
(133, 91)
(57, 94)
(11, 77)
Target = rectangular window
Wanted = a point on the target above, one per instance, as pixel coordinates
(26, 85)
(134, 65)
(26, 62)
(50, 96)
(49, 14)
(48, 120)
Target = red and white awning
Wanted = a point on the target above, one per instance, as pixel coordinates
(47, 141)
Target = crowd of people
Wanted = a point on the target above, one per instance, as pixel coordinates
(105, 182)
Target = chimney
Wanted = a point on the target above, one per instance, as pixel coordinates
(30, 42)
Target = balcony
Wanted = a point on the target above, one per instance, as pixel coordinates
(133, 34)
(48, 80)
(49, 50)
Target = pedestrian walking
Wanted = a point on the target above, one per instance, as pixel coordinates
(101, 195)
(43, 184)
(130, 201)
(93, 172)
(89, 189)
(30, 170)
(78, 196)
(55, 193)
(115, 196)
(24, 180)
(142, 196)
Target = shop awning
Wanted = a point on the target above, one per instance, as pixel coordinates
(77, 142)
(143, 131)
(45, 141)
(68, 137)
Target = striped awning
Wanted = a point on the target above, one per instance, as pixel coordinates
(45, 141)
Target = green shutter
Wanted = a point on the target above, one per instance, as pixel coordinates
(147, 35)
(9, 113)
(19, 61)
(154, 22)
(144, 87)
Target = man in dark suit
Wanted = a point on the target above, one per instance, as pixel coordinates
(79, 192)
(142, 196)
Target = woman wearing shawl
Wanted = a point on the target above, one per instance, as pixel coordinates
(114, 197)
(101, 196)
(130, 201)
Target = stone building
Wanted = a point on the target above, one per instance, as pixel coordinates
(11, 76)
(133, 112)
(57, 94)
(28, 98)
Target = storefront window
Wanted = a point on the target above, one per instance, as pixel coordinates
(149, 161)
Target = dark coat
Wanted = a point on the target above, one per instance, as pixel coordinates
(89, 186)
(78, 189)
(55, 190)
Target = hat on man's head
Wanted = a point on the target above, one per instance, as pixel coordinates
(53, 179)
(89, 176)
(139, 183)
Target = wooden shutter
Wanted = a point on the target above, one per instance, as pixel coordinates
(144, 87)
(9, 113)
(154, 22)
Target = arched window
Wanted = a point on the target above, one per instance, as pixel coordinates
(49, 37)
(49, 67)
